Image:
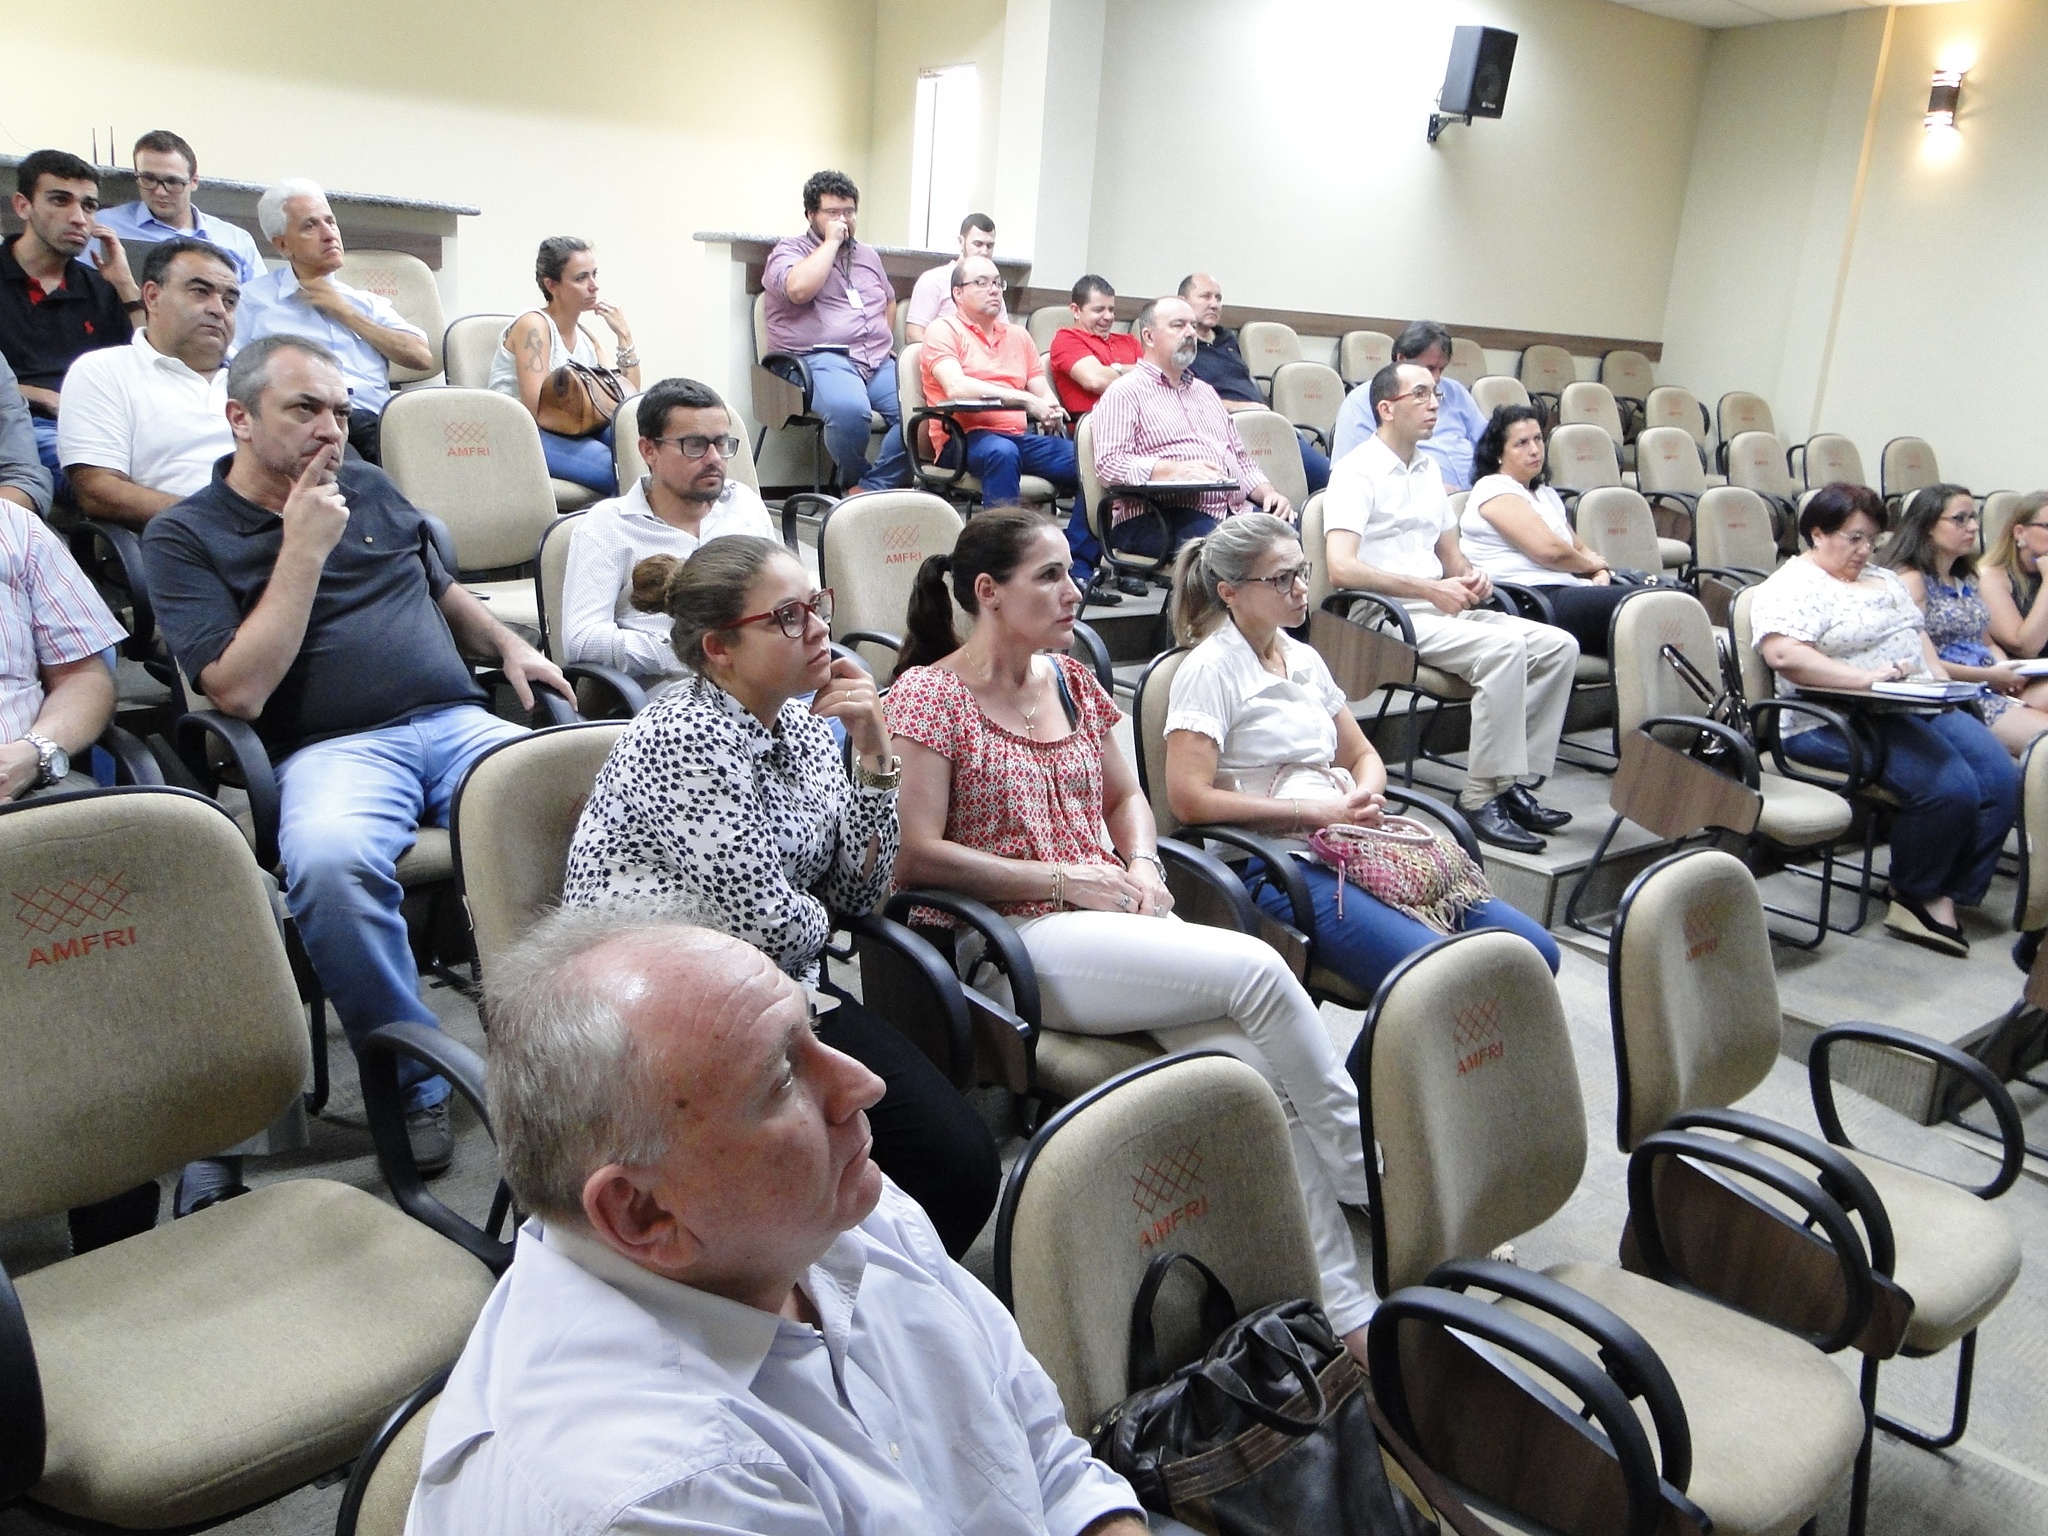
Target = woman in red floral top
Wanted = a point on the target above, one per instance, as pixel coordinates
(1014, 793)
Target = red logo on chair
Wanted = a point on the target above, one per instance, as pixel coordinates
(1476, 1035)
(466, 439)
(1167, 1190)
(902, 544)
(74, 904)
(381, 281)
(1702, 930)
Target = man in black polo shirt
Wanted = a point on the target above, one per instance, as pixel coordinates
(303, 595)
(52, 305)
(1220, 365)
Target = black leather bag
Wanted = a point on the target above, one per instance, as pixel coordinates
(1271, 1433)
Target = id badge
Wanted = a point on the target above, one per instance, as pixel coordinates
(853, 296)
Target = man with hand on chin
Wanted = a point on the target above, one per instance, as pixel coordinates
(722, 1317)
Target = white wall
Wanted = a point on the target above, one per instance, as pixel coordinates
(915, 35)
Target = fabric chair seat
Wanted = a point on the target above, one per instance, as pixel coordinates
(429, 861)
(1957, 1255)
(512, 603)
(1070, 1065)
(571, 497)
(221, 1360)
(1324, 982)
(1800, 815)
(1593, 669)
(1441, 684)
(1673, 552)
(1032, 490)
(1760, 1462)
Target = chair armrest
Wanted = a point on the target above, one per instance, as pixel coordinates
(1006, 951)
(1526, 602)
(1303, 430)
(378, 1056)
(1340, 603)
(1685, 499)
(1280, 867)
(1730, 738)
(630, 692)
(549, 707)
(795, 503)
(252, 762)
(23, 1430)
(133, 762)
(881, 637)
(1090, 648)
(2011, 1132)
(127, 551)
(792, 368)
(1740, 575)
(956, 435)
(1441, 811)
(952, 1051)
(1211, 872)
(1866, 752)
(372, 1454)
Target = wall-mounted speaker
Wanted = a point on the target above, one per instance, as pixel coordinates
(1476, 80)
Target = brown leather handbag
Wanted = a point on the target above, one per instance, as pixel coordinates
(577, 400)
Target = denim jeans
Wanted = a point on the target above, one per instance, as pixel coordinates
(843, 398)
(1001, 460)
(350, 807)
(1960, 790)
(1140, 535)
(584, 461)
(46, 450)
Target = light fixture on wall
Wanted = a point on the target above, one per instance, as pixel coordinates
(1943, 99)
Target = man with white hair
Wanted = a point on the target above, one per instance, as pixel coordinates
(302, 298)
(722, 1316)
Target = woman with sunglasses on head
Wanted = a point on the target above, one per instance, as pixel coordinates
(1015, 793)
(729, 792)
(2010, 574)
(1258, 736)
(1934, 554)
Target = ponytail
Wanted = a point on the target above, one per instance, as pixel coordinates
(991, 544)
(1196, 609)
(928, 626)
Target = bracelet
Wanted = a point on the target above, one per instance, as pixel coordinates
(1150, 858)
(626, 358)
(1059, 888)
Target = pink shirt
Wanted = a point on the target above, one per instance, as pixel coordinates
(49, 615)
(1144, 417)
(850, 310)
(1002, 355)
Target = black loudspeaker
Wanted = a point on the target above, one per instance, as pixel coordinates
(1476, 81)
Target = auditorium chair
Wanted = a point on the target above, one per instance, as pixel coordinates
(870, 549)
(957, 484)
(1617, 525)
(1468, 361)
(1098, 497)
(378, 1497)
(468, 346)
(630, 467)
(1045, 321)
(1545, 371)
(1756, 462)
(1631, 377)
(1587, 404)
(602, 692)
(1496, 390)
(211, 1364)
(1361, 354)
(1740, 411)
(1824, 459)
(1698, 1025)
(1475, 1134)
(407, 284)
(1270, 439)
(1266, 345)
(1309, 395)
(1672, 405)
(1908, 463)
(1737, 547)
(782, 394)
(1669, 475)
(1582, 459)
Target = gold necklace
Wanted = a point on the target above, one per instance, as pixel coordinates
(1030, 715)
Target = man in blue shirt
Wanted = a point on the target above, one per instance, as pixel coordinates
(167, 174)
(1459, 421)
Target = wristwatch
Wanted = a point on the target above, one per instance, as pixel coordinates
(52, 761)
(888, 778)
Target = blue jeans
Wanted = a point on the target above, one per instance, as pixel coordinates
(1371, 938)
(1960, 790)
(586, 461)
(1315, 464)
(1140, 535)
(1001, 460)
(350, 807)
(843, 398)
(46, 450)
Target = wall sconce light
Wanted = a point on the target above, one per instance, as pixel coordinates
(1943, 99)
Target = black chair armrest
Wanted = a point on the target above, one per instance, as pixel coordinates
(1341, 603)
(1280, 867)
(549, 707)
(23, 1430)
(1685, 499)
(880, 637)
(252, 763)
(133, 762)
(1740, 575)
(796, 502)
(1442, 811)
(2012, 1133)
(1088, 647)
(1526, 602)
(793, 368)
(948, 476)
(952, 1052)
(1006, 951)
(1629, 1361)
(1217, 875)
(1737, 744)
(346, 1518)
(1866, 748)
(127, 551)
(384, 1106)
(629, 691)
(1302, 429)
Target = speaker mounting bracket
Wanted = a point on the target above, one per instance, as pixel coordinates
(1438, 122)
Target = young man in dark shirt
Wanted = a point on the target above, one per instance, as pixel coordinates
(1220, 365)
(302, 594)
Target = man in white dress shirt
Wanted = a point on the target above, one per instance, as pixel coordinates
(931, 297)
(722, 1317)
(1388, 528)
(143, 424)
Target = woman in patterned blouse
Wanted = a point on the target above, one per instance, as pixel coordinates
(729, 793)
(1014, 793)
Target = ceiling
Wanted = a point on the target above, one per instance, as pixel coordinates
(1743, 13)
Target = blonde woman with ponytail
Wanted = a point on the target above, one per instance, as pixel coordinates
(1258, 736)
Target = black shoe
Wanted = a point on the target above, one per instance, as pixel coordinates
(1100, 596)
(2024, 948)
(1493, 824)
(1910, 921)
(1131, 586)
(1531, 813)
(432, 1138)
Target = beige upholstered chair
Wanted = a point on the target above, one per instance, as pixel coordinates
(1999, 508)
(1669, 475)
(1828, 457)
(602, 692)
(1361, 354)
(1630, 375)
(957, 485)
(407, 284)
(1584, 403)
(1469, 1091)
(1545, 371)
(1616, 524)
(472, 458)
(1309, 395)
(1269, 438)
(1045, 321)
(2030, 901)
(1672, 405)
(1266, 344)
(1111, 1180)
(1741, 411)
(1582, 459)
(1468, 361)
(1756, 462)
(379, 1494)
(869, 551)
(1734, 530)
(1907, 465)
(1496, 390)
(216, 1362)
(468, 346)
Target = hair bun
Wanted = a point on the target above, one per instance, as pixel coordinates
(650, 583)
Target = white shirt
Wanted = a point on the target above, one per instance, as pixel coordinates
(1398, 511)
(149, 416)
(1498, 555)
(1872, 623)
(595, 1396)
(931, 297)
(273, 306)
(599, 621)
(1260, 723)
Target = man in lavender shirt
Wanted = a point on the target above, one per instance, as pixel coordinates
(828, 299)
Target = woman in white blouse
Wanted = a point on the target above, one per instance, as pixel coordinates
(1258, 736)
(729, 792)
(1515, 529)
(1831, 619)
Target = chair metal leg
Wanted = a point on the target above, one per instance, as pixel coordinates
(316, 1015)
(1571, 905)
(1959, 1412)
(1859, 1481)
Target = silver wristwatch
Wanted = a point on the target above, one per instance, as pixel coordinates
(52, 761)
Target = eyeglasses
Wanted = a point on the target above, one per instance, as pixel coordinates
(2037, 527)
(150, 182)
(694, 445)
(987, 282)
(1856, 540)
(1422, 392)
(791, 618)
(1283, 582)
(1963, 519)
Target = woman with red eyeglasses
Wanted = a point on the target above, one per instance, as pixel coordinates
(728, 795)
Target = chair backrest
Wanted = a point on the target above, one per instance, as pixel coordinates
(1629, 374)
(551, 570)
(1188, 1154)
(1269, 437)
(1466, 1082)
(2030, 911)
(468, 347)
(1673, 405)
(407, 284)
(1091, 493)
(1667, 459)
(630, 466)
(1617, 525)
(152, 1017)
(1496, 390)
(1044, 321)
(1468, 361)
(512, 823)
(1309, 395)
(1741, 411)
(1997, 516)
(1266, 344)
(1733, 528)
(910, 399)
(1645, 684)
(1546, 370)
(1587, 404)
(869, 551)
(1756, 460)
(1148, 722)
(1315, 551)
(472, 457)
(1361, 354)
(1907, 465)
(1831, 457)
(1694, 996)
(1583, 458)
(761, 345)
(1757, 681)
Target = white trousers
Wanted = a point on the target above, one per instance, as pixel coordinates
(1199, 988)
(1521, 675)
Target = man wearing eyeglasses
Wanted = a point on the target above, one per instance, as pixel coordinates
(686, 499)
(167, 174)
